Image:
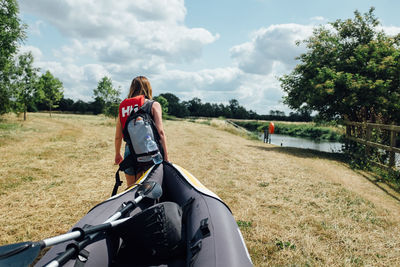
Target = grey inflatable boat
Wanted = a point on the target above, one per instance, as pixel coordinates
(187, 226)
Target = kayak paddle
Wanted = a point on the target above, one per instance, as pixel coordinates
(23, 254)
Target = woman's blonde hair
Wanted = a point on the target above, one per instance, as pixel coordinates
(140, 86)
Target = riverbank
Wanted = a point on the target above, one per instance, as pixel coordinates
(294, 206)
(304, 129)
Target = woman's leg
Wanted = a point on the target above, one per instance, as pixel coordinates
(131, 179)
(130, 174)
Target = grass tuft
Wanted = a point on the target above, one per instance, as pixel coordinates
(263, 184)
(244, 224)
(285, 245)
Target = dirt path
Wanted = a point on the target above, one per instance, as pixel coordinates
(294, 207)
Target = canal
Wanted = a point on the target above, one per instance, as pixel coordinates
(306, 143)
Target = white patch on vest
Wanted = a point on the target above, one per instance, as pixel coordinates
(126, 111)
(136, 108)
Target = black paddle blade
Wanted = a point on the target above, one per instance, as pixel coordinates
(150, 189)
(20, 254)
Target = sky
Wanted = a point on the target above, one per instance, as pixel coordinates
(216, 50)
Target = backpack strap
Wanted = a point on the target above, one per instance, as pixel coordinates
(147, 106)
(117, 184)
(125, 164)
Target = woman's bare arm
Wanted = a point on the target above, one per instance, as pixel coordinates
(118, 142)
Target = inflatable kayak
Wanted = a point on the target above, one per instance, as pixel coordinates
(187, 226)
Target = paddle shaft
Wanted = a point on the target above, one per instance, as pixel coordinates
(93, 232)
(48, 242)
(23, 254)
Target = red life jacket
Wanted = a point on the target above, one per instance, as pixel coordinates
(129, 104)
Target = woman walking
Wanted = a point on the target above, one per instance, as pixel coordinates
(140, 93)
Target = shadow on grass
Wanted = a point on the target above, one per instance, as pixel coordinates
(377, 181)
(339, 157)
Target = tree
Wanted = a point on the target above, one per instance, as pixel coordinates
(238, 111)
(351, 70)
(225, 111)
(173, 103)
(25, 83)
(51, 90)
(194, 106)
(12, 31)
(66, 104)
(234, 106)
(80, 107)
(112, 109)
(163, 102)
(109, 95)
(98, 105)
(207, 110)
(175, 107)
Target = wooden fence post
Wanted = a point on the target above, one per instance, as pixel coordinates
(348, 130)
(392, 144)
(368, 138)
(348, 134)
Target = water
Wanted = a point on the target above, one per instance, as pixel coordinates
(306, 143)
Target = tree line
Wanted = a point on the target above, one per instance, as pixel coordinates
(172, 106)
(196, 108)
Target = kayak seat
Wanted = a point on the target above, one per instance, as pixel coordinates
(153, 236)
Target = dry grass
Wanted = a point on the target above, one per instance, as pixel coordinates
(294, 207)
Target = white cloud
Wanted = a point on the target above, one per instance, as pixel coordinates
(391, 30)
(78, 81)
(36, 52)
(274, 49)
(124, 30)
(120, 39)
(271, 49)
(260, 93)
(35, 28)
(217, 80)
(317, 18)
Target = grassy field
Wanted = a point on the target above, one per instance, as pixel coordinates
(295, 207)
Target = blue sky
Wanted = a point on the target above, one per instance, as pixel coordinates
(214, 50)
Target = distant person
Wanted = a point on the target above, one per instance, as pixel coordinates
(140, 92)
(266, 135)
